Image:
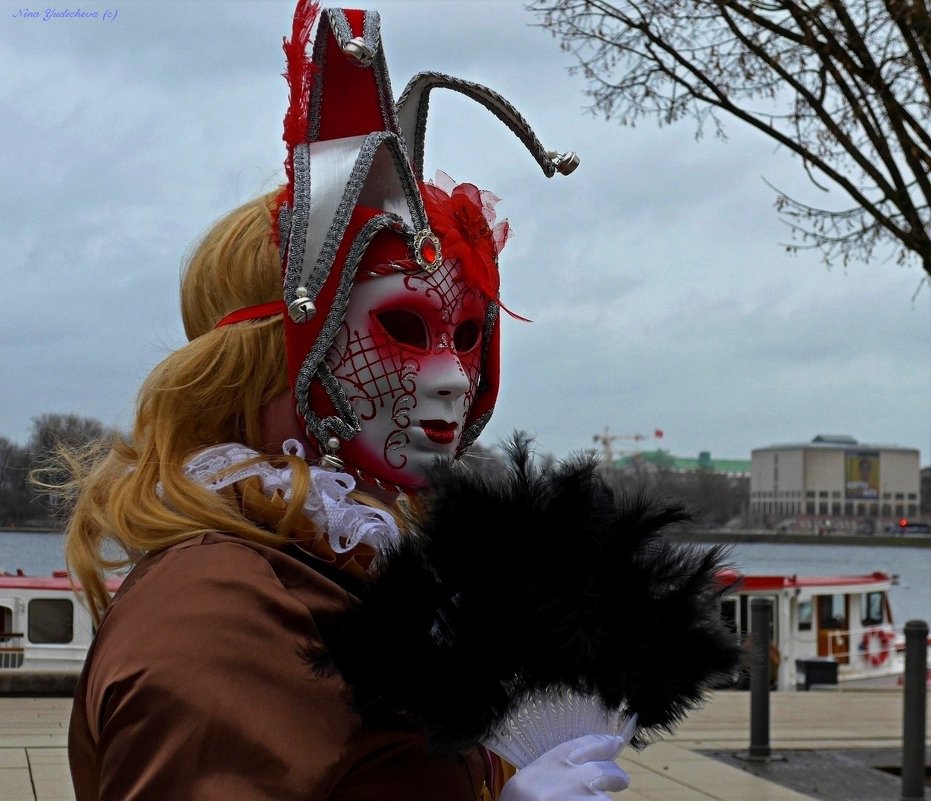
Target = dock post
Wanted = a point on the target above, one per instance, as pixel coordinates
(761, 617)
(914, 718)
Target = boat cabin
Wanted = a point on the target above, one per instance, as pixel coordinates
(846, 620)
(44, 627)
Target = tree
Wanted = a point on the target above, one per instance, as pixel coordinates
(49, 432)
(715, 499)
(15, 497)
(845, 85)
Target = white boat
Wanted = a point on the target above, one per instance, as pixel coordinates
(45, 630)
(823, 627)
(842, 622)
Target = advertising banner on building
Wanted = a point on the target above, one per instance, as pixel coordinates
(861, 475)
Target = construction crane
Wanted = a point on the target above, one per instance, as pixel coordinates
(607, 439)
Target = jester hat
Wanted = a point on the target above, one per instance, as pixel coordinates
(355, 198)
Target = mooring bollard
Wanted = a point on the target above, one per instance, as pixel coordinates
(915, 707)
(761, 616)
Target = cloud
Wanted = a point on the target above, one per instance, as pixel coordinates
(660, 293)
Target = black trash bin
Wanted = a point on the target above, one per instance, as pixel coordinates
(814, 671)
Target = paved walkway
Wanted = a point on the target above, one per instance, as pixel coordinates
(33, 757)
(33, 749)
(674, 770)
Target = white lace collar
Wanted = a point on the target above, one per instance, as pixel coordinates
(345, 522)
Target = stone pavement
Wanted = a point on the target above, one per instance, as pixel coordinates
(33, 749)
(811, 730)
(33, 757)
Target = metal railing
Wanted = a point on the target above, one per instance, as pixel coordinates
(12, 652)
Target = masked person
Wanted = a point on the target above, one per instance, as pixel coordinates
(344, 334)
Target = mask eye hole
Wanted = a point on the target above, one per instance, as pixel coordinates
(466, 336)
(404, 327)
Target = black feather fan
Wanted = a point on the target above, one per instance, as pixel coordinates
(533, 581)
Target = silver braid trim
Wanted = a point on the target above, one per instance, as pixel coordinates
(298, 218)
(339, 25)
(284, 230)
(413, 118)
(470, 434)
(316, 89)
(491, 317)
(389, 114)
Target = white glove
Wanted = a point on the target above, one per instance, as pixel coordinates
(577, 770)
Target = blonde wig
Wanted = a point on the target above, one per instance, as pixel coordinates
(132, 492)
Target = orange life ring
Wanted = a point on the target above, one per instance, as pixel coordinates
(876, 656)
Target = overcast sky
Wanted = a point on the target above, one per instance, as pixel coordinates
(661, 293)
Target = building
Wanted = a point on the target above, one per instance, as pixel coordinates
(834, 476)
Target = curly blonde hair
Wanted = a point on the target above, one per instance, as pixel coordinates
(133, 491)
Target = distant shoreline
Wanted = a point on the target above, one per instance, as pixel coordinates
(722, 536)
(794, 538)
(28, 530)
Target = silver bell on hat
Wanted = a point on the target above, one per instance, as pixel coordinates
(302, 308)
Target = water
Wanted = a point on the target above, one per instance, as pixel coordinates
(35, 554)
(40, 554)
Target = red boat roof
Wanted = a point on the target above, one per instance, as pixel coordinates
(59, 581)
(761, 583)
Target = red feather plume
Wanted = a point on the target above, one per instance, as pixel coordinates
(299, 75)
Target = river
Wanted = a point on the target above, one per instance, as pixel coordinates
(40, 554)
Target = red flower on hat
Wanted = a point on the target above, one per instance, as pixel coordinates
(463, 217)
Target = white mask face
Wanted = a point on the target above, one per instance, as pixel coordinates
(408, 358)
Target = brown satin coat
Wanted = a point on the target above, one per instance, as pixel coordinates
(196, 688)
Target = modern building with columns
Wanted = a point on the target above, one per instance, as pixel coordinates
(834, 476)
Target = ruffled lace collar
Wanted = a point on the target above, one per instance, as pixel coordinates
(344, 522)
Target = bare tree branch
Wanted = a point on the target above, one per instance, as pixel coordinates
(845, 85)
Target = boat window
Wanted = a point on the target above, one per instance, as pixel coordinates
(6, 624)
(804, 615)
(871, 608)
(832, 611)
(51, 620)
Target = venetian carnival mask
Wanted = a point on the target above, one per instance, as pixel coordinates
(408, 357)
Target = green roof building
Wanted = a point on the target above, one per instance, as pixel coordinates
(663, 460)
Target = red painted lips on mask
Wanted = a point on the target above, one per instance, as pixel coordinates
(439, 431)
